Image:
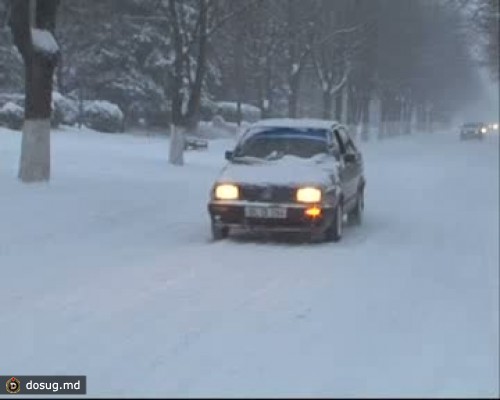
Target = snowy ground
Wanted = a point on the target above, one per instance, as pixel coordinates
(109, 272)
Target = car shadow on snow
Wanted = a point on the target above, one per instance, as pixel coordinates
(256, 237)
(352, 235)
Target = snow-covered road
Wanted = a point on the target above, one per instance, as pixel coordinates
(109, 272)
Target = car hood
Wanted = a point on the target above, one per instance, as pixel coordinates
(287, 171)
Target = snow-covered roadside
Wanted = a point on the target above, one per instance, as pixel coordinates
(115, 278)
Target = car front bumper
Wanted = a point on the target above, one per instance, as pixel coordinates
(232, 215)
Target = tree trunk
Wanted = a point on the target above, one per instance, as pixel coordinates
(176, 153)
(382, 131)
(365, 116)
(35, 147)
(39, 72)
(269, 87)
(408, 113)
(177, 76)
(293, 98)
(353, 115)
(193, 111)
(238, 73)
(327, 104)
(339, 105)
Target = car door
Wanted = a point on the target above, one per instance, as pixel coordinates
(357, 164)
(330, 165)
(348, 169)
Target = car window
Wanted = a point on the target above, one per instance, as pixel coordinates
(332, 142)
(279, 141)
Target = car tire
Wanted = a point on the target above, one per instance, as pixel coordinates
(356, 215)
(219, 232)
(334, 231)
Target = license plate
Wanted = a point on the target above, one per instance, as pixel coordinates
(265, 212)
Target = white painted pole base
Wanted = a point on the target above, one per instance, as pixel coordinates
(176, 155)
(34, 164)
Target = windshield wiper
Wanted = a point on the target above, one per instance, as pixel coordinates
(246, 159)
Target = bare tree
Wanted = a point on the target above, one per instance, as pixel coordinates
(332, 52)
(300, 35)
(192, 26)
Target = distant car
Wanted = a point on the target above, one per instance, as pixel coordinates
(493, 126)
(290, 175)
(191, 143)
(473, 130)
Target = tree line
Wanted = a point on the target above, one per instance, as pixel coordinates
(393, 64)
(164, 59)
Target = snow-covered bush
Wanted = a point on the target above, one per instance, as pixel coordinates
(219, 128)
(208, 109)
(12, 116)
(219, 122)
(229, 111)
(103, 116)
(64, 110)
(16, 98)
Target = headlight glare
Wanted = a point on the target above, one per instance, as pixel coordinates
(308, 195)
(226, 192)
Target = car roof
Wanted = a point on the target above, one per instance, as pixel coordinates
(310, 123)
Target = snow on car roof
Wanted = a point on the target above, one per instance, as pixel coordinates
(295, 123)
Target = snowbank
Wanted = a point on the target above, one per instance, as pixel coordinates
(113, 275)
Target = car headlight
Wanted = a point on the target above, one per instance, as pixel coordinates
(226, 191)
(484, 130)
(495, 126)
(308, 195)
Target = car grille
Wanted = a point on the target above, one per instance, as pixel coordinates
(270, 194)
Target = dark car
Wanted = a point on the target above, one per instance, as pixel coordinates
(191, 143)
(290, 175)
(473, 130)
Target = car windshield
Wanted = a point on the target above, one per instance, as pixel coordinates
(273, 143)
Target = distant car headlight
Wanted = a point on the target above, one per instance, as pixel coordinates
(495, 126)
(226, 191)
(484, 130)
(308, 195)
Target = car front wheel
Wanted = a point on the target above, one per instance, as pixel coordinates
(334, 231)
(219, 232)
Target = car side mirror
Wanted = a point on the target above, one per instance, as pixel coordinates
(350, 158)
(229, 155)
